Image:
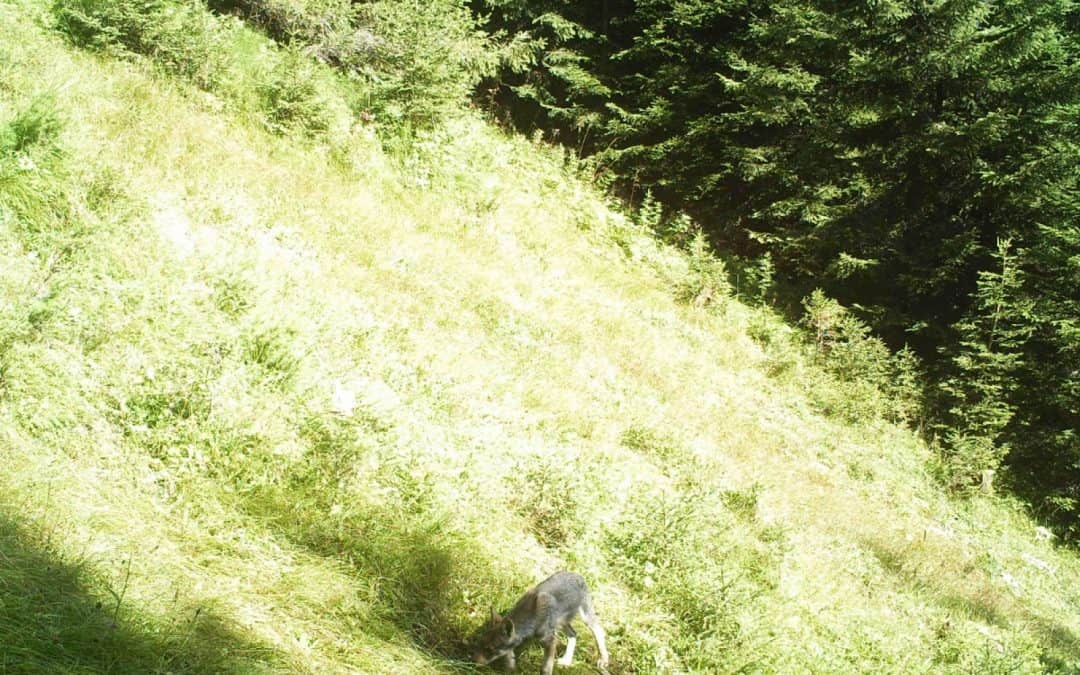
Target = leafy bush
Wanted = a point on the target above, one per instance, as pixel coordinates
(177, 35)
(428, 58)
(103, 24)
(706, 280)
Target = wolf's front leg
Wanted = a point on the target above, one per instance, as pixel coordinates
(568, 655)
(549, 655)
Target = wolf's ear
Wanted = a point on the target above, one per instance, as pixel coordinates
(508, 628)
(495, 618)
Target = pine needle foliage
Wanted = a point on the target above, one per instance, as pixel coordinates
(877, 151)
(288, 399)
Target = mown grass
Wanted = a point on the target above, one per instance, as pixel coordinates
(275, 399)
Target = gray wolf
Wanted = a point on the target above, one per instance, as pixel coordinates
(540, 613)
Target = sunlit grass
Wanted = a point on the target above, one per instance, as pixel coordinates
(290, 402)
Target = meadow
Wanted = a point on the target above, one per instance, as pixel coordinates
(281, 391)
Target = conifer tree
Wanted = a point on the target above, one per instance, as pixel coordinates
(879, 151)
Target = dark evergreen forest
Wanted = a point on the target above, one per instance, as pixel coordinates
(915, 160)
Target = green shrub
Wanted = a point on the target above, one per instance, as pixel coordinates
(36, 126)
(104, 24)
(842, 342)
(706, 282)
(284, 86)
(650, 216)
(872, 381)
(425, 61)
(780, 343)
(291, 95)
(179, 36)
(417, 61)
(976, 401)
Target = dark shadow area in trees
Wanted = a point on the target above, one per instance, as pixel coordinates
(58, 616)
(280, 21)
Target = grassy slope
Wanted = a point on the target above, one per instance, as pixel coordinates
(271, 406)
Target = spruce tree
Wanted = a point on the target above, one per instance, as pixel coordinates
(879, 151)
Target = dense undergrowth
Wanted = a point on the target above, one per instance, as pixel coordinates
(285, 390)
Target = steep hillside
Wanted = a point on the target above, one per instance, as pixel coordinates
(274, 398)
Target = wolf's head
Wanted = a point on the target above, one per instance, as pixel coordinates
(496, 640)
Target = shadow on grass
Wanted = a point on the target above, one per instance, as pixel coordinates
(418, 568)
(421, 575)
(1059, 646)
(57, 616)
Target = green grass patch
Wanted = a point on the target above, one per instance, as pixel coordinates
(276, 400)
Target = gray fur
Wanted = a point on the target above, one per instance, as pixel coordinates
(541, 613)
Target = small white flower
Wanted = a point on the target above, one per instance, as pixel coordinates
(25, 163)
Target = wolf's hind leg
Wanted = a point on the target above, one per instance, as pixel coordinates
(589, 617)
